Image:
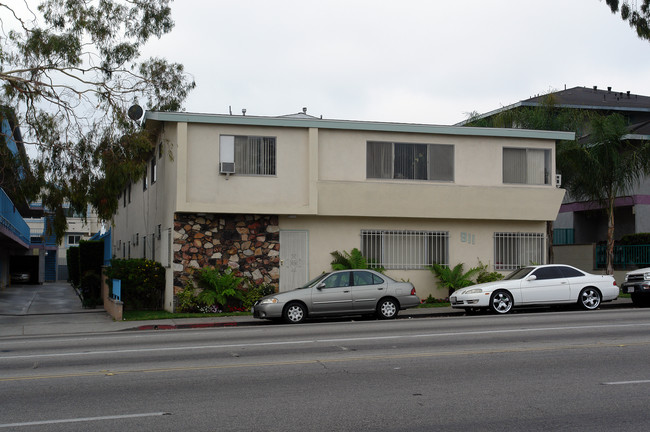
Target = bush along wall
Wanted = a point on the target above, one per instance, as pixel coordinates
(143, 282)
(89, 261)
(72, 256)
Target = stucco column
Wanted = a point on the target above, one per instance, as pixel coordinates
(313, 170)
(181, 156)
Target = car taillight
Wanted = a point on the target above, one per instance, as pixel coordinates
(413, 291)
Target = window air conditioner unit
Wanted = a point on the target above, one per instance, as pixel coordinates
(227, 167)
(558, 180)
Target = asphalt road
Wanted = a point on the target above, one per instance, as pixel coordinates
(567, 370)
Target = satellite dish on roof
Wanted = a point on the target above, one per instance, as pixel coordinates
(135, 112)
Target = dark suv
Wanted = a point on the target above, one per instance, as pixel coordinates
(637, 284)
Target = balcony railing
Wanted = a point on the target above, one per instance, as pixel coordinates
(631, 256)
(11, 220)
(563, 236)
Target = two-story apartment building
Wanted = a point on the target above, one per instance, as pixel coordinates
(272, 197)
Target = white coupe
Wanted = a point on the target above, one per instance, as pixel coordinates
(538, 285)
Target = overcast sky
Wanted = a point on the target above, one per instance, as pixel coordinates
(411, 61)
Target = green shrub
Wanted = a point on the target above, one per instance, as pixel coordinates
(635, 239)
(91, 289)
(91, 256)
(353, 260)
(453, 278)
(143, 282)
(72, 257)
(187, 299)
(219, 288)
(255, 293)
(486, 276)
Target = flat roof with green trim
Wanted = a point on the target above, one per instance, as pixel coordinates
(243, 120)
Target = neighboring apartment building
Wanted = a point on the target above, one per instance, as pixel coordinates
(272, 197)
(16, 251)
(585, 222)
(79, 228)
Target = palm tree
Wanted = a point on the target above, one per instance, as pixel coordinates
(352, 260)
(603, 166)
(453, 279)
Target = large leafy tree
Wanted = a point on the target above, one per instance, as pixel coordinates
(636, 15)
(603, 166)
(70, 70)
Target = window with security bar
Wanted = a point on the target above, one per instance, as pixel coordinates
(514, 250)
(388, 160)
(253, 155)
(404, 250)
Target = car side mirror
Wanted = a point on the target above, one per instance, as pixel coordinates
(320, 286)
(531, 278)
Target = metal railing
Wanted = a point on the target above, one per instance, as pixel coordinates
(629, 256)
(514, 250)
(563, 236)
(11, 220)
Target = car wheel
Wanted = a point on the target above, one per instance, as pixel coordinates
(387, 309)
(501, 302)
(589, 298)
(294, 313)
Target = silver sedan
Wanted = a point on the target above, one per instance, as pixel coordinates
(343, 292)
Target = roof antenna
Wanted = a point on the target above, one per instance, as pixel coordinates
(230, 109)
(243, 111)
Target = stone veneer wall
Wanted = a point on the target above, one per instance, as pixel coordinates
(249, 244)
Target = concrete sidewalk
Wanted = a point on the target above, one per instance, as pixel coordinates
(55, 308)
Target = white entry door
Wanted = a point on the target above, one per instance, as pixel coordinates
(293, 259)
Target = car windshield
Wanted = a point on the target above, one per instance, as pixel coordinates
(315, 281)
(519, 273)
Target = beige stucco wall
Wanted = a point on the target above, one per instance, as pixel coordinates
(324, 172)
(153, 207)
(321, 181)
(329, 234)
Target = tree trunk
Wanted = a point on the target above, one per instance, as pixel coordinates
(550, 258)
(610, 234)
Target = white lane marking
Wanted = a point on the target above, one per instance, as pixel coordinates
(627, 382)
(315, 341)
(82, 419)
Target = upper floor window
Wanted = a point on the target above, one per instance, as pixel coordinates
(251, 154)
(527, 166)
(154, 171)
(74, 239)
(145, 181)
(387, 160)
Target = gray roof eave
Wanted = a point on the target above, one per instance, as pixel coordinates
(182, 117)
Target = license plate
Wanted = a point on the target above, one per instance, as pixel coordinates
(453, 299)
(629, 290)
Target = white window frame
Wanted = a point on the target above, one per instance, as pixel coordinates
(405, 249)
(531, 166)
(252, 155)
(386, 160)
(74, 236)
(154, 170)
(513, 250)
